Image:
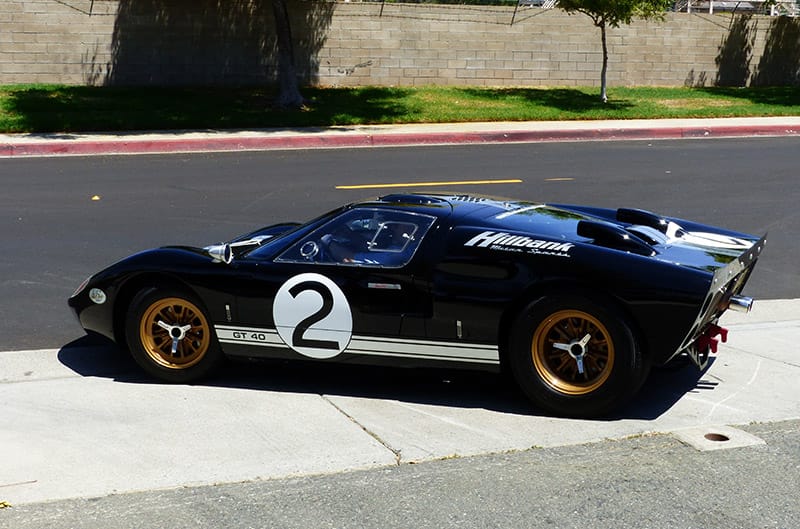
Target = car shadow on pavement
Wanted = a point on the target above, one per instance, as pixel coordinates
(93, 357)
(665, 387)
(90, 357)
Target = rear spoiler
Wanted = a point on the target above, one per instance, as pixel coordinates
(726, 285)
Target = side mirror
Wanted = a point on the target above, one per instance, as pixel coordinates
(221, 252)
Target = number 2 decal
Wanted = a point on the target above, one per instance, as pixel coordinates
(312, 316)
(298, 336)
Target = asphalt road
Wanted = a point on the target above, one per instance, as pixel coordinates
(55, 235)
(95, 425)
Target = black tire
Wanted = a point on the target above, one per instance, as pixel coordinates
(160, 320)
(547, 339)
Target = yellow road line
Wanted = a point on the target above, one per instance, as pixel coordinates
(564, 179)
(433, 184)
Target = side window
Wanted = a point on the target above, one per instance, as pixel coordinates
(393, 236)
(363, 237)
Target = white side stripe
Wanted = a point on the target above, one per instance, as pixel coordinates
(463, 352)
(373, 345)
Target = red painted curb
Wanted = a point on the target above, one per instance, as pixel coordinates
(337, 140)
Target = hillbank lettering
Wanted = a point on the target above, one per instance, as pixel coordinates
(508, 242)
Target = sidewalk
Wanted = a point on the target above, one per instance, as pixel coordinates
(115, 432)
(18, 145)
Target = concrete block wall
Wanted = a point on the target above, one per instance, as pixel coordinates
(44, 41)
(353, 44)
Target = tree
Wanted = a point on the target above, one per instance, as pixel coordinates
(612, 13)
(289, 95)
(218, 42)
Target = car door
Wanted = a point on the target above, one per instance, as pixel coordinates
(347, 288)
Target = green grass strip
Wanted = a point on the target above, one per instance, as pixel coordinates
(48, 108)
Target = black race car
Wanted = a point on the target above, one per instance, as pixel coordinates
(577, 303)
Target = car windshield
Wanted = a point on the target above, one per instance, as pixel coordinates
(265, 249)
(362, 236)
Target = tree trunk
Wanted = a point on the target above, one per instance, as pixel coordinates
(288, 90)
(603, 95)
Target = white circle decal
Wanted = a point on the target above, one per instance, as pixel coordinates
(312, 316)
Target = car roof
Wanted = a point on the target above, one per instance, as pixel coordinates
(463, 207)
(487, 211)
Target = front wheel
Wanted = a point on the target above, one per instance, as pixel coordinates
(573, 356)
(170, 337)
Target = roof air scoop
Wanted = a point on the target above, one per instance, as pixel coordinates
(642, 217)
(411, 198)
(612, 236)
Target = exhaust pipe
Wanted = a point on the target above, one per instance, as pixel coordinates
(741, 303)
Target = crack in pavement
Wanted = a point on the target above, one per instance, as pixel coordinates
(396, 452)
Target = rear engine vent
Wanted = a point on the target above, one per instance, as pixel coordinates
(645, 218)
(612, 236)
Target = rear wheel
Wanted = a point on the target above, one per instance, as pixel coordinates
(575, 357)
(170, 337)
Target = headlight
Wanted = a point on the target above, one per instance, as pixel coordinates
(97, 296)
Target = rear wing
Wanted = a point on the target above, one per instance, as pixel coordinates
(726, 285)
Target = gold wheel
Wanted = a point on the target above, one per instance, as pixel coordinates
(573, 352)
(174, 333)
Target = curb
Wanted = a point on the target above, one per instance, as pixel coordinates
(227, 142)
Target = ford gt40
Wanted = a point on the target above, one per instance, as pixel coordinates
(576, 303)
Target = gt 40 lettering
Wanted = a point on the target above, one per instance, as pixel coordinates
(249, 336)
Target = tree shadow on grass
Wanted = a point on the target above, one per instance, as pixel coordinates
(117, 108)
(564, 100)
(84, 108)
(788, 96)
